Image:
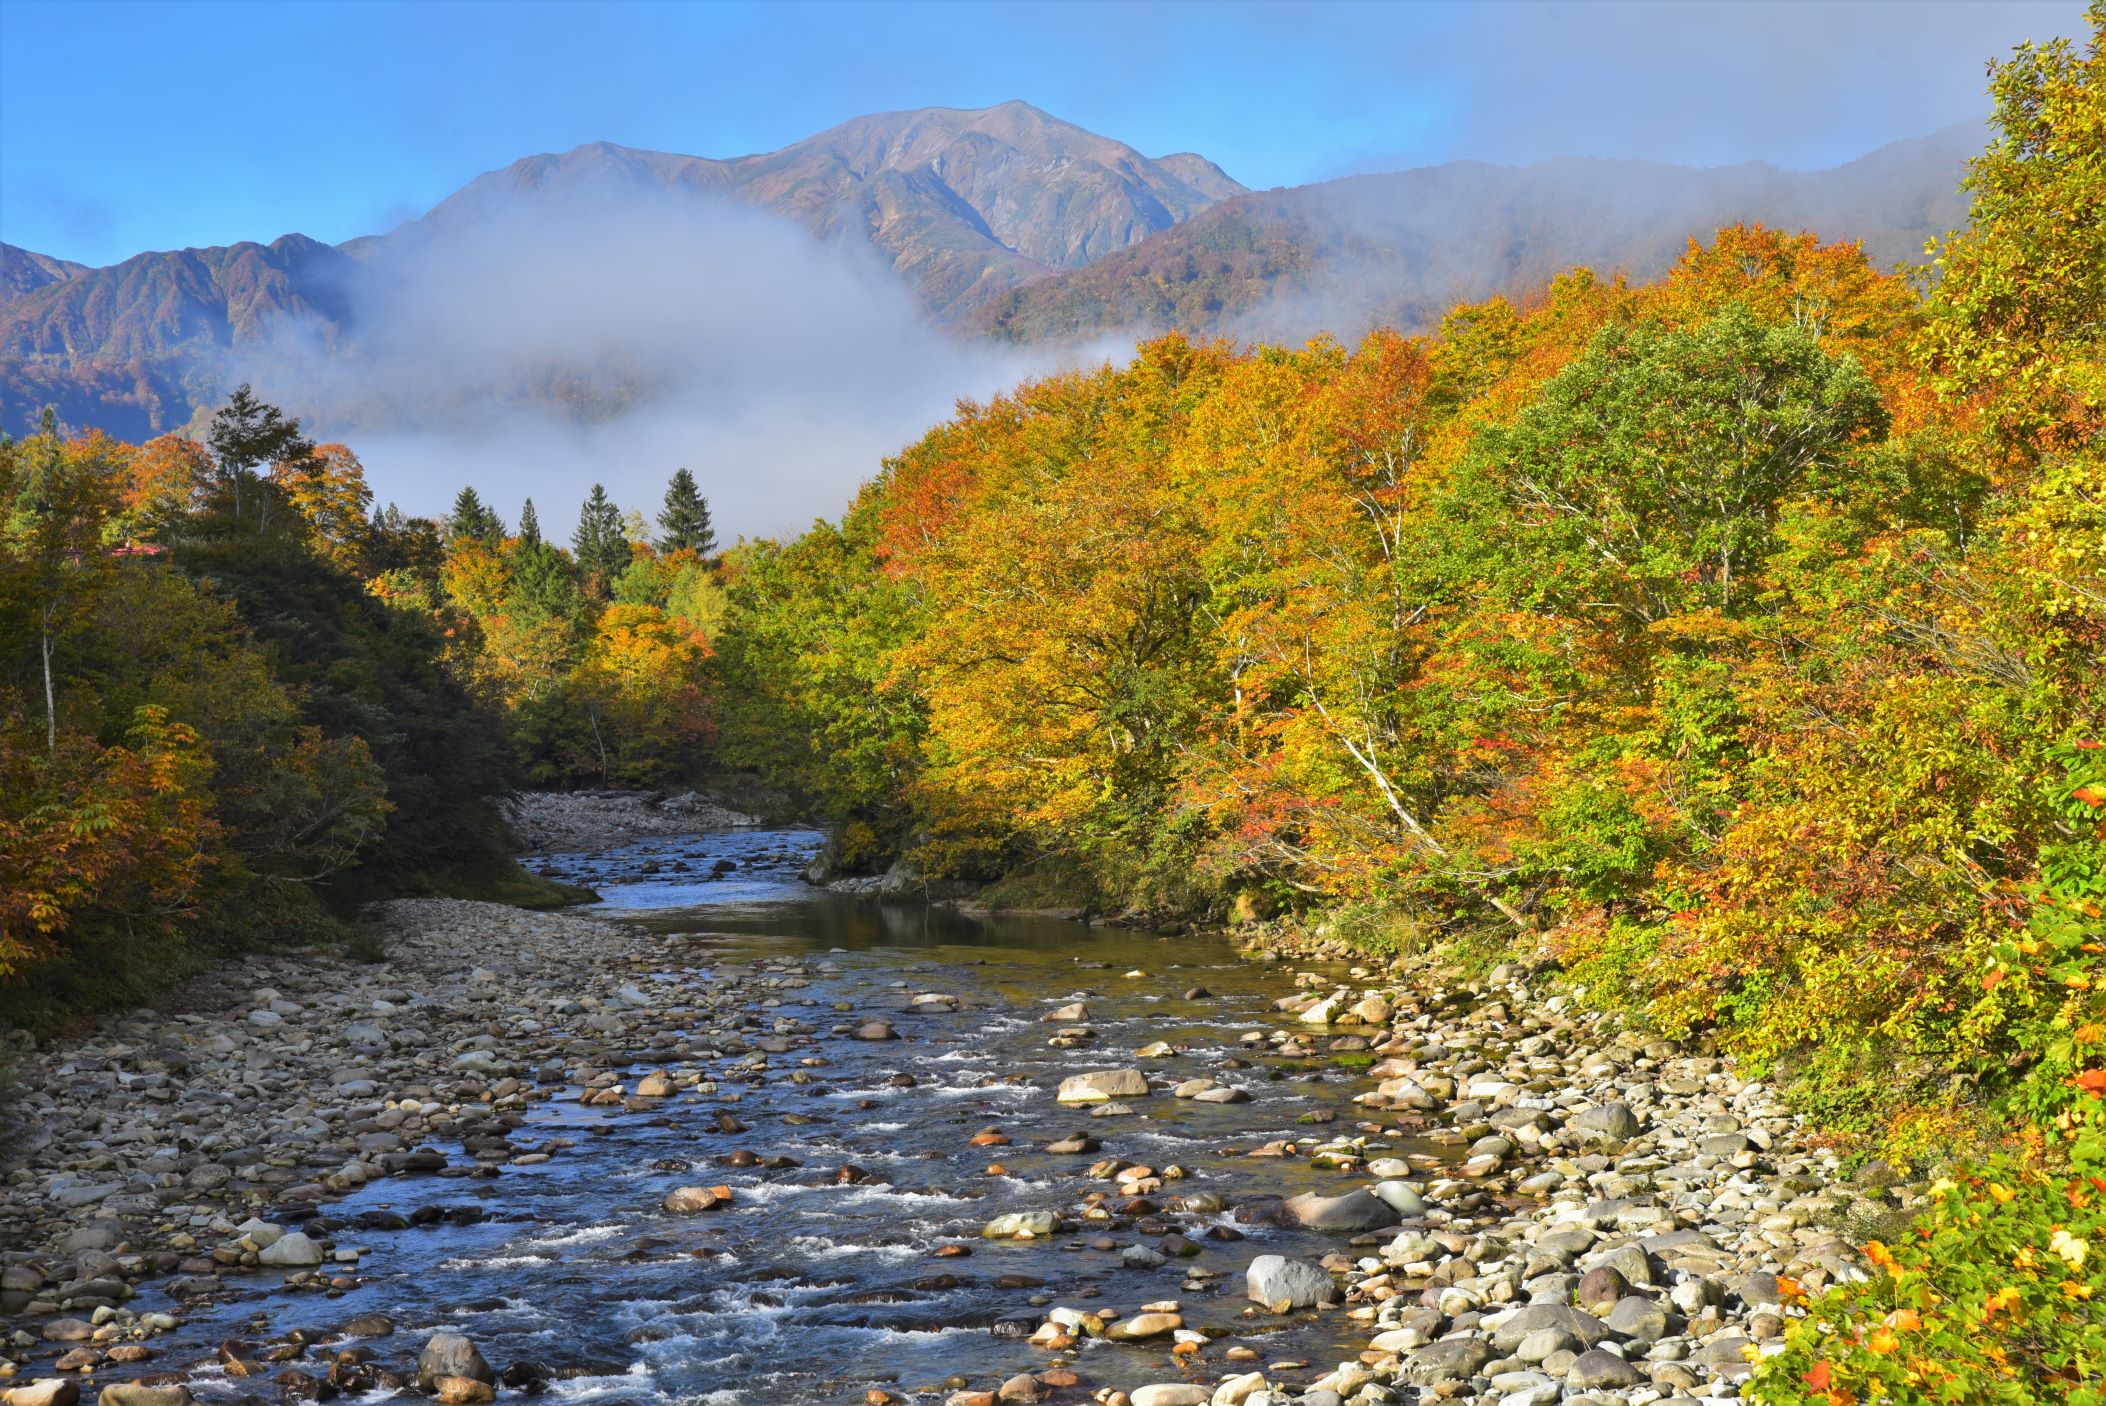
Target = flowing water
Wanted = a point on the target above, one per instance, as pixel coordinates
(812, 1290)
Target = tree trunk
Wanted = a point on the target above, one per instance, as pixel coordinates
(1368, 763)
(592, 715)
(50, 699)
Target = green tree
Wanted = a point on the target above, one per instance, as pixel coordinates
(529, 525)
(697, 599)
(602, 550)
(805, 671)
(685, 518)
(2019, 317)
(53, 501)
(402, 543)
(247, 435)
(645, 582)
(472, 521)
(544, 584)
(1649, 474)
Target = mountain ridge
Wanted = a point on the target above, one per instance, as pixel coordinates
(1401, 247)
(926, 186)
(1002, 222)
(961, 204)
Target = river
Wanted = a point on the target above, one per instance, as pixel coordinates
(852, 1163)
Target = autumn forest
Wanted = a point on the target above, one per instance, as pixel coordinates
(1733, 641)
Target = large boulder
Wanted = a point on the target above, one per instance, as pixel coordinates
(291, 1251)
(451, 1355)
(1353, 1212)
(1638, 1319)
(260, 1233)
(1323, 1012)
(1614, 1122)
(1143, 1326)
(140, 1394)
(1599, 1368)
(1103, 1085)
(1282, 1284)
(1022, 1225)
(1449, 1360)
(52, 1391)
(1401, 1197)
(1581, 1327)
(1727, 1356)
(1171, 1394)
(1602, 1286)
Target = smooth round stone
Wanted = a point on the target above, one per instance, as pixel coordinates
(1544, 1343)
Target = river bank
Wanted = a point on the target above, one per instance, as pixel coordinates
(1493, 1197)
(553, 822)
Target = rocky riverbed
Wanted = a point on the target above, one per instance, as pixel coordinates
(574, 822)
(653, 1153)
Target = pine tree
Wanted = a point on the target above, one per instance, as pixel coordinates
(529, 525)
(601, 549)
(685, 520)
(470, 520)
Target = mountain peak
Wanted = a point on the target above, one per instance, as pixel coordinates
(964, 203)
(1004, 219)
(24, 271)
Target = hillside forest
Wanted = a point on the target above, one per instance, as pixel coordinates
(1733, 641)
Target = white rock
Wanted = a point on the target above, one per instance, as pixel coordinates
(260, 1233)
(1170, 1394)
(292, 1251)
(1103, 1085)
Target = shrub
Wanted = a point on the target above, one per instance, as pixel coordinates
(1995, 1296)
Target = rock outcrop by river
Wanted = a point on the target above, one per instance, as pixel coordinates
(550, 822)
(1317, 1183)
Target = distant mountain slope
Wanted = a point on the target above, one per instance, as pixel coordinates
(134, 347)
(152, 304)
(1002, 221)
(1401, 248)
(22, 272)
(962, 205)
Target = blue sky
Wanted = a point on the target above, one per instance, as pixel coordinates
(127, 126)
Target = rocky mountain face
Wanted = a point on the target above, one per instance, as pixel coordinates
(134, 347)
(22, 272)
(961, 205)
(1400, 249)
(1001, 222)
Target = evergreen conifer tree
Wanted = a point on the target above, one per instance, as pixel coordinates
(472, 520)
(685, 519)
(601, 549)
(529, 525)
